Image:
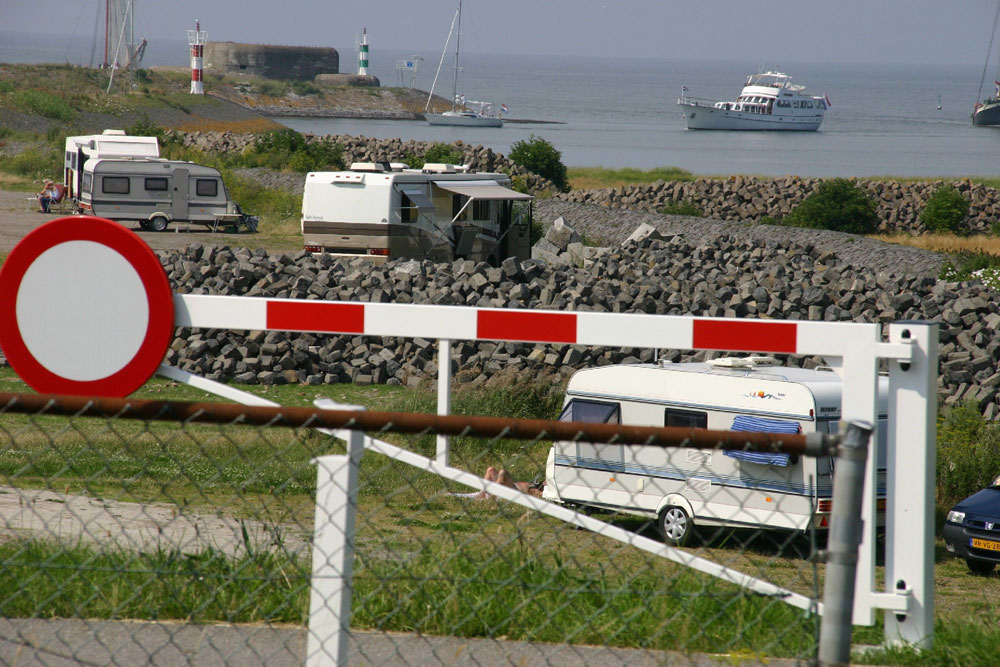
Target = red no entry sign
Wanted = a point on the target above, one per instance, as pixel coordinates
(85, 309)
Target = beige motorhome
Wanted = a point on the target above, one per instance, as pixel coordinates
(440, 212)
(682, 488)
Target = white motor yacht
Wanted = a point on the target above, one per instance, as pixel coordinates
(769, 101)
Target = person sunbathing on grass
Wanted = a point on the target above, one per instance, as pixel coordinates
(503, 477)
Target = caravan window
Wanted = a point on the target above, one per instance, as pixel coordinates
(156, 184)
(596, 412)
(206, 187)
(115, 185)
(600, 413)
(685, 418)
(407, 212)
(88, 180)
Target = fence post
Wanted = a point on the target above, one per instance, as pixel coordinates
(912, 457)
(842, 545)
(444, 395)
(333, 555)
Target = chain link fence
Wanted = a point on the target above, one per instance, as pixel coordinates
(169, 533)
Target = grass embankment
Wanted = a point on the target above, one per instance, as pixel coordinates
(426, 562)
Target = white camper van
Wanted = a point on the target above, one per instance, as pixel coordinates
(109, 144)
(156, 192)
(682, 487)
(440, 212)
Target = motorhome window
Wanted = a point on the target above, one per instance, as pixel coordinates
(206, 187)
(882, 443)
(115, 185)
(69, 158)
(88, 180)
(595, 412)
(480, 209)
(457, 201)
(407, 212)
(156, 184)
(685, 418)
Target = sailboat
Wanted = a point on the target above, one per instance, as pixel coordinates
(460, 114)
(987, 112)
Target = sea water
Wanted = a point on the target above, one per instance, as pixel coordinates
(618, 112)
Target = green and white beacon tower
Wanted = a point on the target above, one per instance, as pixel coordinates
(363, 52)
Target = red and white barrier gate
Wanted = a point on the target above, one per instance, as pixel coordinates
(83, 310)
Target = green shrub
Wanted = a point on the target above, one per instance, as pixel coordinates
(144, 127)
(303, 88)
(269, 87)
(6, 87)
(839, 205)
(945, 211)
(685, 207)
(287, 149)
(968, 453)
(539, 156)
(34, 162)
(443, 153)
(44, 104)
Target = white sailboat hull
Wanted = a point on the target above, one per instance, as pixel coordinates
(462, 120)
(703, 117)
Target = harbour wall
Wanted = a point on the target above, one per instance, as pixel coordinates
(748, 199)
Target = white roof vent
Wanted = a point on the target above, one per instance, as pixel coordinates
(753, 361)
(117, 133)
(369, 166)
(439, 168)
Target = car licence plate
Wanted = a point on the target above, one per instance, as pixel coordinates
(989, 545)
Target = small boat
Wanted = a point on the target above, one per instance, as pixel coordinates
(769, 101)
(987, 111)
(480, 116)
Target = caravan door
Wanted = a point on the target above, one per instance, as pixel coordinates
(179, 204)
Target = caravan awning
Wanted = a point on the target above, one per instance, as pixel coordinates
(418, 198)
(482, 190)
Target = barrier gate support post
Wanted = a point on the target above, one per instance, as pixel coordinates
(333, 555)
(444, 395)
(842, 545)
(909, 544)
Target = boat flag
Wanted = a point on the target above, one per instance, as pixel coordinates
(503, 108)
(826, 98)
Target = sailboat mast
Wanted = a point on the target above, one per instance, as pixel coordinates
(458, 47)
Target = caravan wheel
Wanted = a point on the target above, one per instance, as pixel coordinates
(158, 223)
(675, 526)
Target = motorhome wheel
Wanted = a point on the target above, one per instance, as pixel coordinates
(675, 526)
(158, 223)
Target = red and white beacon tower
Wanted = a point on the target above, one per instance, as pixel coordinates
(196, 38)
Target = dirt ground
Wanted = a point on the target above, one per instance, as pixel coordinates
(19, 215)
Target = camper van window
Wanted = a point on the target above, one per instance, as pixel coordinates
(685, 418)
(156, 184)
(456, 206)
(206, 187)
(596, 412)
(480, 209)
(71, 159)
(406, 209)
(115, 185)
(88, 180)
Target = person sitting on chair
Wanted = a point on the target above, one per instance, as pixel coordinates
(50, 194)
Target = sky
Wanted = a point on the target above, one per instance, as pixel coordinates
(756, 31)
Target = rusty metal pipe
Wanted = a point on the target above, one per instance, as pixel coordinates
(408, 422)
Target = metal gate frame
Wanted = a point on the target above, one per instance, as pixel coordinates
(853, 350)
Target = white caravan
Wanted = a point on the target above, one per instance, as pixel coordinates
(156, 192)
(440, 212)
(682, 487)
(110, 144)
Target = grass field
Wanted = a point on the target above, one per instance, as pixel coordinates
(426, 562)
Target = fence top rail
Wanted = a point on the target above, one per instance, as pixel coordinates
(812, 444)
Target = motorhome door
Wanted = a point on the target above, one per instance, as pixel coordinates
(179, 205)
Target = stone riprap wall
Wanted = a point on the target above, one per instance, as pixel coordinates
(724, 277)
(368, 149)
(748, 199)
